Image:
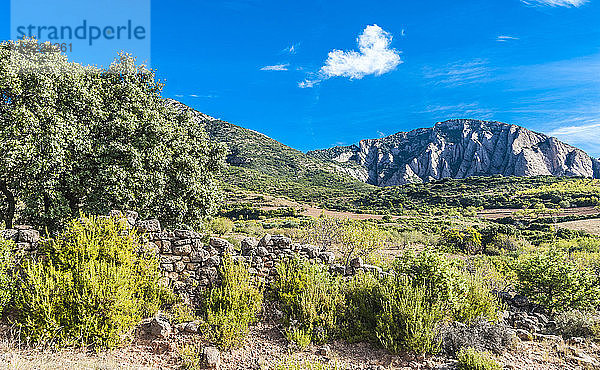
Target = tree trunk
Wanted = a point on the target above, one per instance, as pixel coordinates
(10, 200)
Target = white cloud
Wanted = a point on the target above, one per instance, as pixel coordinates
(292, 49)
(584, 136)
(308, 83)
(555, 3)
(459, 73)
(276, 67)
(505, 38)
(209, 96)
(375, 57)
(583, 133)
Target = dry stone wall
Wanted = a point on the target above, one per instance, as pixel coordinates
(190, 261)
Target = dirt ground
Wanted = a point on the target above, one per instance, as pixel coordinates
(266, 348)
(590, 226)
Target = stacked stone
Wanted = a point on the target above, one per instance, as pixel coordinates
(25, 237)
(263, 255)
(189, 261)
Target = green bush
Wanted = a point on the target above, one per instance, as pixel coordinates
(310, 298)
(221, 226)
(471, 359)
(361, 306)
(408, 321)
(466, 240)
(556, 282)
(233, 305)
(7, 268)
(92, 285)
(400, 311)
(465, 295)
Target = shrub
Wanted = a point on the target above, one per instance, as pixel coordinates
(465, 295)
(577, 323)
(467, 240)
(221, 226)
(480, 335)
(476, 301)
(7, 268)
(554, 281)
(471, 359)
(233, 305)
(408, 320)
(92, 286)
(181, 312)
(300, 337)
(310, 298)
(362, 303)
(191, 357)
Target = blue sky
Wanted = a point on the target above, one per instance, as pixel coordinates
(296, 71)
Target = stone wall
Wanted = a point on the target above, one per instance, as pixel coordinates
(189, 261)
(25, 237)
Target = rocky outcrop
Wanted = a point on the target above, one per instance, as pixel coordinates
(460, 149)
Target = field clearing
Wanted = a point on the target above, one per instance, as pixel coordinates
(590, 226)
(495, 214)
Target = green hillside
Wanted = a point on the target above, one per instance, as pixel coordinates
(260, 164)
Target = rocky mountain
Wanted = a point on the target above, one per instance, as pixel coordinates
(459, 149)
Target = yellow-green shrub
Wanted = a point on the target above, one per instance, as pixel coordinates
(91, 285)
(310, 298)
(233, 305)
(408, 320)
(471, 359)
(7, 266)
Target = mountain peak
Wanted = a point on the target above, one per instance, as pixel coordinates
(460, 148)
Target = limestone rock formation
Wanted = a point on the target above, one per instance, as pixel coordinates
(459, 149)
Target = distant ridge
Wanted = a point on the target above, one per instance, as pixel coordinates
(458, 149)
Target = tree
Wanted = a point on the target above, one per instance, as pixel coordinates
(32, 135)
(556, 282)
(84, 139)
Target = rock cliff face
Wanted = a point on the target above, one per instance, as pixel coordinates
(459, 149)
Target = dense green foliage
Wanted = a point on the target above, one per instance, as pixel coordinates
(408, 319)
(93, 284)
(233, 305)
(486, 192)
(471, 359)
(310, 298)
(556, 282)
(82, 139)
(400, 311)
(8, 259)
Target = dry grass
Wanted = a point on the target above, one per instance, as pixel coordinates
(590, 226)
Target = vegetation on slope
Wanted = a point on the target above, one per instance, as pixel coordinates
(261, 164)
